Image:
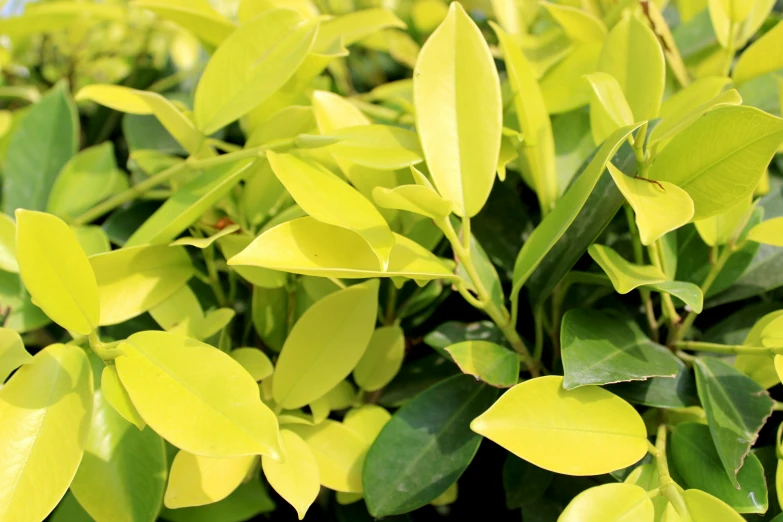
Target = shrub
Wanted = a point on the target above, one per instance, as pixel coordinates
(261, 259)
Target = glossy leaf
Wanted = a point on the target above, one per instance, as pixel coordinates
(661, 392)
(486, 361)
(376, 146)
(367, 420)
(609, 110)
(134, 280)
(297, 478)
(625, 276)
(12, 353)
(610, 503)
(115, 395)
(703, 507)
(463, 103)
(247, 501)
(579, 25)
(201, 415)
(46, 408)
(245, 70)
(562, 86)
(8, 244)
(265, 278)
(413, 198)
(761, 58)
(56, 272)
(587, 431)
(196, 16)
(381, 360)
(720, 228)
(769, 232)
(325, 345)
(671, 126)
(254, 361)
(196, 480)
(601, 349)
(407, 467)
(736, 409)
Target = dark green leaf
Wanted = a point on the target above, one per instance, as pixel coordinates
(24, 315)
(661, 392)
(453, 332)
(425, 447)
(69, 510)
(734, 328)
(523, 482)
(415, 377)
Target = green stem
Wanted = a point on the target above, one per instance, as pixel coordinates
(538, 349)
(697, 346)
(214, 277)
(666, 300)
(644, 293)
(106, 351)
(667, 486)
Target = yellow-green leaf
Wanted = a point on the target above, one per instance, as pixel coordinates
(658, 209)
(197, 16)
(201, 414)
(367, 421)
(586, 431)
(579, 25)
(487, 361)
(196, 480)
(769, 232)
(762, 57)
(325, 345)
(204, 242)
(610, 503)
(46, 409)
(326, 197)
(718, 229)
(12, 353)
(625, 276)
(56, 271)
(633, 55)
(117, 397)
(254, 361)
(297, 478)
(669, 127)
(381, 360)
(133, 280)
(92, 239)
(459, 111)
(8, 244)
(250, 65)
(562, 86)
(234, 244)
(609, 109)
(381, 147)
(309, 247)
(133, 101)
(413, 198)
(703, 507)
(779, 367)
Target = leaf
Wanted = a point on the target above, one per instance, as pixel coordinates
(609, 109)
(45, 139)
(489, 362)
(762, 57)
(760, 368)
(672, 126)
(736, 409)
(69, 510)
(376, 146)
(658, 209)
(189, 203)
(610, 503)
(8, 244)
(203, 242)
(12, 353)
(769, 232)
(56, 272)
(46, 408)
(562, 86)
(601, 349)
(201, 414)
(580, 26)
(463, 103)
(134, 101)
(254, 361)
(325, 197)
(92, 239)
(703, 507)
(538, 147)
(309, 247)
(296, 479)
(247, 501)
(115, 395)
(425, 447)
(696, 459)
(681, 103)
(632, 54)
(23, 315)
(134, 280)
(555, 224)
(625, 276)
(367, 420)
(413, 198)
(123, 472)
(196, 480)
(587, 431)
(246, 70)
(339, 452)
(356, 26)
(688, 293)
(381, 360)
(325, 345)
(198, 17)
(719, 229)
(735, 146)
(523, 482)
(661, 392)
(233, 245)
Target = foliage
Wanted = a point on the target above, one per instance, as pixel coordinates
(254, 259)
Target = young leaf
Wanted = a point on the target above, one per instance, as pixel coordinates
(610, 503)
(8, 261)
(56, 272)
(382, 359)
(407, 468)
(761, 58)
(658, 209)
(456, 91)
(115, 395)
(719, 229)
(720, 171)
(201, 414)
(309, 247)
(413, 198)
(246, 69)
(703, 507)
(204, 242)
(297, 478)
(12, 353)
(247, 501)
(123, 472)
(609, 109)
(46, 409)
(587, 431)
(254, 361)
(580, 26)
(196, 480)
(265, 278)
(671, 126)
(325, 345)
(625, 276)
(325, 197)
(688, 293)
(489, 362)
(367, 420)
(694, 455)
(736, 409)
(134, 280)
(562, 86)
(376, 146)
(46, 138)
(197, 16)
(769, 232)
(133, 101)
(602, 349)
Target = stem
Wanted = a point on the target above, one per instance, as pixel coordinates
(644, 293)
(391, 305)
(667, 486)
(214, 277)
(697, 346)
(106, 351)
(538, 349)
(666, 300)
(638, 149)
